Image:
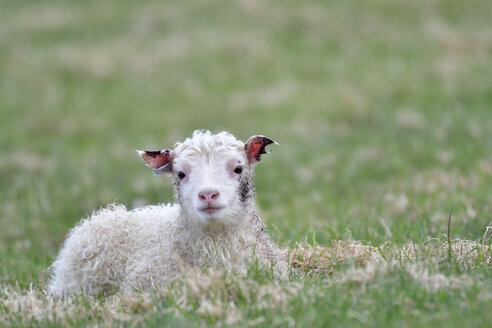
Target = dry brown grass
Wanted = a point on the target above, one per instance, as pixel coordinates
(217, 296)
(212, 294)
(326, 259)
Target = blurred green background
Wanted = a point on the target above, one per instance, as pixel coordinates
(382, 110)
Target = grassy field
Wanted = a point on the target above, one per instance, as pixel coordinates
(383, 112)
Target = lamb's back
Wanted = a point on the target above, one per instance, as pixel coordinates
(101, 251)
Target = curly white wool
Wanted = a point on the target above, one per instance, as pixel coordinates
(119, 249)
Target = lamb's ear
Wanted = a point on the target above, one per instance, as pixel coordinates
(255, 147)
(160, 161)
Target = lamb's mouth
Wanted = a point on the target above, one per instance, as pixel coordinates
(211, 209)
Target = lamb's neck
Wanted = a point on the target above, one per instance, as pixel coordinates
(249, 221)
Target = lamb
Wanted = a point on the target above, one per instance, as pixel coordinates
(214, 223)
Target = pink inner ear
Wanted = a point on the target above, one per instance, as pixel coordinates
(255, 147)
(156, 159)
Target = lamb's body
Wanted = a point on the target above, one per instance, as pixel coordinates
(117, 249)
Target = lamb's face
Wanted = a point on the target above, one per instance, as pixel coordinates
(213, 174)
(210, 184)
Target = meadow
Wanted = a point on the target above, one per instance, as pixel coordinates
(383, 113)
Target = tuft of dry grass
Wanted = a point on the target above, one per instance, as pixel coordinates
(216, 294)
(367, 264)
(326, 259)
(319, 259)
(212, 295)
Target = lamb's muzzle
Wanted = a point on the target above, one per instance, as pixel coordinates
(214, 223)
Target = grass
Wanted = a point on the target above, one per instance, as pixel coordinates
(381, 109)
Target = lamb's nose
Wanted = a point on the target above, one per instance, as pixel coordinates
(209, 195)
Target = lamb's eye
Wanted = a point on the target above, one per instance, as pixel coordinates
(238, 170)
(181, 175)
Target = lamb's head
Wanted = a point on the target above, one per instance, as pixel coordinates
(212, 174)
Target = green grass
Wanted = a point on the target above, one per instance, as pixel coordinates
(383, 114)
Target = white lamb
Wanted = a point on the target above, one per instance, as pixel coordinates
(213, 224)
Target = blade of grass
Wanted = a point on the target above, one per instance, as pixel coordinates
(449, 235)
